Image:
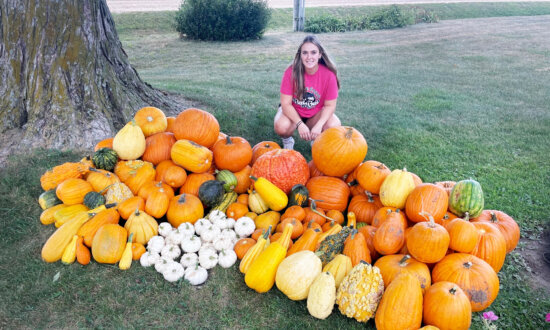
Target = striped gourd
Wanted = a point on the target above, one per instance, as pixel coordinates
(228, 198)
(466, 199)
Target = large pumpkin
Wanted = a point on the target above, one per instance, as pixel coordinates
(282, 167)
(108, 243)
(330, 193)
(474, 276)
(491, 245)
(158, 147)
(466, 199)
(184, 208)
(392, 265)
(447, 307)
(401, 304)
(338, 150)
(198, 126)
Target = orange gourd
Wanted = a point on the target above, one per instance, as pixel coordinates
(243, 180)
(506, 225)
(355, 247)
(151, 120)
(191, 156)
(365, 206)
(242, 246)
(491, 245)
(236, 210)
(137, 250)
(428, 242)
(88, 230)
(72, 191)
(427, 198)
(108, 243)
(184, 208)
(127, 207)
(392, 265)
(402, 297)
(83, 255)
(371, 174)
(308, 241)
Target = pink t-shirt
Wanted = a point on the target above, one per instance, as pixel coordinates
(320, 86)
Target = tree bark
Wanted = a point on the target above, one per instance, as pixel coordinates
(66, 81)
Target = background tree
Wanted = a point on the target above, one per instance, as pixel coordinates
(65, 79)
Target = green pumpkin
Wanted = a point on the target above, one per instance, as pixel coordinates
(48, 199)
(211, 193)
(466, 199)
(93, 199)
(299, 195)
(105, 159)
(228, 178)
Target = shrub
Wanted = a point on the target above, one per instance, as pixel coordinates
(390, 18)
(426, 16)
(222, 20)
(325, 23)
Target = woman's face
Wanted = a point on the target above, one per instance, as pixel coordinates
(310, 55)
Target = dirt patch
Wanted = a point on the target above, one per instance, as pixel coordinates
(533, 253)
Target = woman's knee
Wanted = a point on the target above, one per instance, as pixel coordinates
(333, 121)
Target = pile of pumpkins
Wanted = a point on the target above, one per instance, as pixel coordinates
(337, 230)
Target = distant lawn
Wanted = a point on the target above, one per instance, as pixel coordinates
(448, 101)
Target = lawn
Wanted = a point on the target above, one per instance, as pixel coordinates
(458, 99)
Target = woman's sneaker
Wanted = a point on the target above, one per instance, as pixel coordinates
(288, 143)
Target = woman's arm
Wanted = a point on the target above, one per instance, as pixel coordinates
(294, 117)
(326, 113)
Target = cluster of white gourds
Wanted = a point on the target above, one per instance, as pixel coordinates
(201, 246)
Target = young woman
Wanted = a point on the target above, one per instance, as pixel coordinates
(309, 90)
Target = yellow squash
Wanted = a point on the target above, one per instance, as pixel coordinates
(267, 219)
(256, 203)
(46, 217)
(69, 254)
(275, 198)
(254, 251)
(261, 274)
(64, 214)
(126, 259)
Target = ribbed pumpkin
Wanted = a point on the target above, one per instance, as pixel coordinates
(364, 206)
(360, 292)
(371, 174)
(108, 243)
(428, 242)
(392, 265)
(396, 188)
(52, 178)
(505, 223)
(313, 170)
(330, 193)
(161, 167)
(474, 276)
(294, 211)
(184, 208)
(401, 304)
(446, 185)
(463, 234)
(142, 173)
(191, 156)
(428, 198)
(72, 191)
(198, 126)
(129, 206)
(282, 167)
(447, 307)
(389, 237)
(158, 147)
(232, 154)
(175, 176)
(105, 143)
(261, 148)
(194, 181)
(129, 142)
(338, 150)
(89, 229)
(151, 120)
(142, 225)
(491, 245)
(156, 204)
(296, 273)
(466, 199)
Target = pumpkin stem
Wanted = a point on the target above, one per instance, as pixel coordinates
(467, 264)
(369, 196)
(105, 189)
(428, 218)
(108, 206)
(181, 200)
(228, 140)
(349, 133)
(453, 290)
(136, 212)
(403, 261)
(314, 209)
(494, 218)
(353, 183)
(364, 262)
(267, 232)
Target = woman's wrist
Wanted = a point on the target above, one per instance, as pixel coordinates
(299, 123)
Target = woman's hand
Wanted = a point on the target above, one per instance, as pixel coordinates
(304, 132)
(315, 131)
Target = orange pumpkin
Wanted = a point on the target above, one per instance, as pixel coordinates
(463, 234)
(315, 217)
(153, 186)
(174, 176)
(170, 122)
(151, 120)
(88, 230)
(236, 210)
(313, 170)
(261, 148)
(184, 208)
(330, 193)
(162, 167)
(506, 225)
(338, 150)
(355, 247)
(243, 180)
(198, 126)
(106, 143)
(388, 212)
(447, 306)
(101, 179)
(194, 181)
(491, 245)
(156, 204)
(354, 186)
(297, 227)
(371, 174)
(108, 243)
(427, 198)
(428, 242)
(336, 215)
(127, 207)
(389, 237)
(392, 265)
(368, 232)
(446, 185)
(72, 191)
(473, 275)
(137, 250)
(294, 211)
(83, 255)
(242, 246)
(233, 153)
(365, 206)
(158, 147)
(402, 297)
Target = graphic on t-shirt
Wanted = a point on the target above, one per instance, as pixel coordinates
(311, 99)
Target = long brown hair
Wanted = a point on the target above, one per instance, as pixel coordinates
(298, 69)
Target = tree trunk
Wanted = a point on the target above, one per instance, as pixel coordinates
(65, 80)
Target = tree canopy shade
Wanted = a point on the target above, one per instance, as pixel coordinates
(65, 79)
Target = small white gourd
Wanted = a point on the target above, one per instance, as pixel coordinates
(170, 251)
(201, 224)
(208, 261)
(155, 244)
(196, 275)
(227, 258)
(191, 244)
(189, 260)
(244, 227)
(173, 272)
(209, 234)
(165, 229)
(149, 258)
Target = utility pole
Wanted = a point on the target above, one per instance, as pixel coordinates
(299, 15)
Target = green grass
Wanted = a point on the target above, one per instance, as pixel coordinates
(448, 101)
